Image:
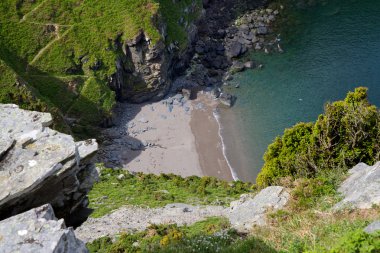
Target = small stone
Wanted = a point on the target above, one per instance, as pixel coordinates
(121, 177)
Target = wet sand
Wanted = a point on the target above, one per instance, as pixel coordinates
(180, 137)
(208, 142)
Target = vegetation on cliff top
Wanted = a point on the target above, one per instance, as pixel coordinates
(151, 190)
(64, 50)
(346, 134)
(307, 224)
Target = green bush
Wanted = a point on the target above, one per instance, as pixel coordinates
(347, 133)
(358, 242)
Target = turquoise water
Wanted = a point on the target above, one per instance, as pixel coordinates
(333, 49)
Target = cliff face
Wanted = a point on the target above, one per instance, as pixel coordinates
(144, 70)
(39, 165)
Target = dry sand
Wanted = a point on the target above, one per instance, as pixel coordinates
(159, 138)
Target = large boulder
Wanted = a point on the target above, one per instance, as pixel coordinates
(249, 211)
(39, 165)
(38, 230)
(362, 188)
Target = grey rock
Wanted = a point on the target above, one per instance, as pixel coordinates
(226, 99)
(373, 227)
(249, 211)
(132, 219)
(235, 49)
(38, 230)
(249, 65)
(237, 66)
(262, 30)
(362, 188)
(39, 165)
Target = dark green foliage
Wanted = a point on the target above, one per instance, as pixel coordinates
(154, 191)
(347, 133)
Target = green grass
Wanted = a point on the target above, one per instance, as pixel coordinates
(209, 236)
(155, 191)
(52, 43)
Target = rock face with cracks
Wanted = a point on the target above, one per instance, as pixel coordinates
(247, 211)
(362, 188)
(39, 165)
(38, 230)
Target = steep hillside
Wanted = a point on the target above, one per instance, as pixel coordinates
(68, 53)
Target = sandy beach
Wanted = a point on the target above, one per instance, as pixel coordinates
(175, 135)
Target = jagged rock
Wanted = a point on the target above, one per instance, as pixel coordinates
(38, 230)
(373, 227)
(237, 66)
(249, 211)
(362, 188)
(226, 99)
(235, 49)
(39, 165)
(187, 93)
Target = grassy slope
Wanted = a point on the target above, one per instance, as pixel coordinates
(53, 45)
(153, 191)
(306, 225)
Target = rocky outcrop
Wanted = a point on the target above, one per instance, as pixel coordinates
(249, 32)
(249, 211)
(243, 215)
(145, 67)
(142, 70)
(39, 165)
(132, 219)
(38, 230)
(362, 188)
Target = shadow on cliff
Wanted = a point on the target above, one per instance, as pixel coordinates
(213, 57)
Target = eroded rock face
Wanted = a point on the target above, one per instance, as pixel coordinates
(249, 211)
(39, 165)
(38, 230)
(362, 188)
(142, 70)
(145, 68)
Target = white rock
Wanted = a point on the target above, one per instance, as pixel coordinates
(249, 211)
(38, 230)
(362, 188)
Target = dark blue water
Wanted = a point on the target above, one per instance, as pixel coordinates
(333, 49)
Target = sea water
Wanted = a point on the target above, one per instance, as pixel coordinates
(329, 50)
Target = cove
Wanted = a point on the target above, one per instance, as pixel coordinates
(330, 49)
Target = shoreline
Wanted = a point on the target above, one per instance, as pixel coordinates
(217, 116)
(174, 135)
(209, 143)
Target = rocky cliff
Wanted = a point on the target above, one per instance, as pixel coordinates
(39, 165)
(38, 230)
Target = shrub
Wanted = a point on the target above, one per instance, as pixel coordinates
(347, 133)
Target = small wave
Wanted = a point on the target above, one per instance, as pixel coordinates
(233, 172)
